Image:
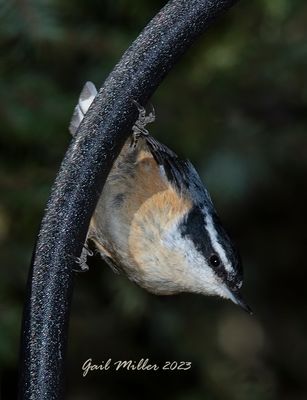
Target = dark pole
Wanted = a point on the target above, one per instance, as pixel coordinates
(80, 180)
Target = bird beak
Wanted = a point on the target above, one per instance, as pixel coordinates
(235, 296)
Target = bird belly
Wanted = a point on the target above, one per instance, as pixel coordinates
(135, 212)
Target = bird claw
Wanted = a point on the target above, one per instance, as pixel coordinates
(139, 128)
(81, 261)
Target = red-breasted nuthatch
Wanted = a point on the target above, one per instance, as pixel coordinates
(155, 220)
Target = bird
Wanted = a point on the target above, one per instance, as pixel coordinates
(155, 221)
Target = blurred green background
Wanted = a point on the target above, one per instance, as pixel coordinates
(236, 105)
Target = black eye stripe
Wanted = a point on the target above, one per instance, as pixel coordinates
(218, 266)
(215, 260)
(194, 228)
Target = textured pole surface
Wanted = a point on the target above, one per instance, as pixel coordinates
(83, 172)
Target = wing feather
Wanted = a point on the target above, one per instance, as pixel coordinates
(180, 173)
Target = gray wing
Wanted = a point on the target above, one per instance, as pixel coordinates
(180, 173)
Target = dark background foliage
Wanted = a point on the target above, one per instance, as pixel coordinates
(236, 105)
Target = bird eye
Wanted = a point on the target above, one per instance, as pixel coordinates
(214, 260)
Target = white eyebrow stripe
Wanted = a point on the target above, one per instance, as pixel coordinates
(215, 243)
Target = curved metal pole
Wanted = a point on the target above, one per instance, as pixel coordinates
(80, 180)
